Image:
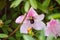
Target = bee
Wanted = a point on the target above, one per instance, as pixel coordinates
(31, 20)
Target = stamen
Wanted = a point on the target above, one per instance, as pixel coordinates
(30, 32)
(29, 29)
(31, 18)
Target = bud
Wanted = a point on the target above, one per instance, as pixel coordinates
(1, 23)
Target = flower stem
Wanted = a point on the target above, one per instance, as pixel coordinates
(16, 28)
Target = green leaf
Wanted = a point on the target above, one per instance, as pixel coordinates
(3, 35)
(55, 15)
(11, 38)
(41, 8)
(58, 39)
(58, 1)
(42, 35)
(4, 29)
(50, 37)
(27, 5)
(45, 4)
(33, 3)
(8, 21)
(18, 35)
(14, 16)
(15, 3)
(9, 29)
(4, 17)
(27, 37)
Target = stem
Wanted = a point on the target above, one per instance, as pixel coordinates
(16, 28)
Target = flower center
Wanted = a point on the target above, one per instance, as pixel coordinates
(29, 29)
(31, 20)
(30, 32)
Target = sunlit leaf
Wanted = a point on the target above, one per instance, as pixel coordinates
(33, 3)
(58, 1)
(3, 35)
(15, 3)
(46, 4)
(41, 8)
(27, 37)
(27, 5)
(42, 35)
(55, 15)
(50, 37)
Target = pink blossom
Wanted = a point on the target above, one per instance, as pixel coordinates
(53, 28)
(33, 20)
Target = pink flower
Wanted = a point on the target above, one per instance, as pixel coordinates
(33, 20)
(53, 28)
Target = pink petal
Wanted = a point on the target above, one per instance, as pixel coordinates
(39, 25)
(52, 22)
(40, 17)
(53, 27)
(24, 27)
(47, 32)
(32, 12)
(58, 28)
(19, 19)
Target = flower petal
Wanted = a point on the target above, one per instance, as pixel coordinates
(47, 32)
(39, 25)
(19, 19)
(24, 27)
(40, 17)
(53, 27)
(58, 28)
(32, 12)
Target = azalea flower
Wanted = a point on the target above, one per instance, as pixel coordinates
(53, 28)
(33, 20)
